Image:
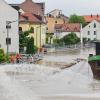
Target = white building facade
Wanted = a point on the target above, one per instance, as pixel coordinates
(91, 31)
(8, 14)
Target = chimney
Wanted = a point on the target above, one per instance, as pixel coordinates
(97, 15)
(28, 0)
(91, 15)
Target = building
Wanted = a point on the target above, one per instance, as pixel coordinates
(31, 15)
(55, 13)
(55, 17)
(62, 30)
(51, 21)
(92, 31)
(9, 37)
(89, 18)
(31, 21)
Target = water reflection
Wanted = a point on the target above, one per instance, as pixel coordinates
(66, 58)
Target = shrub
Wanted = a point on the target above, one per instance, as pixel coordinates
(2, 56)
(71, 39)
(31, 49)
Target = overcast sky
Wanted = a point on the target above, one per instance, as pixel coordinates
(79, 7)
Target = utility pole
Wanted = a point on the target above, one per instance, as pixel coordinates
(8, 39)
(81, 36)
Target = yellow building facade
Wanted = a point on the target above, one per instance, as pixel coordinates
(51, 21)
(39, 32)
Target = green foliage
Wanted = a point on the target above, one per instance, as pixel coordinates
(26, 33)
(2, 56)
(56, 41)
(31, 30)
(49, 36)
(30, 49)
(47, 39)
(23, 39)
(70, 39)
(77, 19)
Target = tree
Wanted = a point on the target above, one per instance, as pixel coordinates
(77, 19)
(30, 48)
(70, 39)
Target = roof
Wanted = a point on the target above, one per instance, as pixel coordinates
(30, 17)
(68, 27)
(90, 18)
(31, 10)
(30, 6)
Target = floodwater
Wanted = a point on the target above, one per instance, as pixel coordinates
(41, 82)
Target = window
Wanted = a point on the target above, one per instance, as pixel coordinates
(20, 29)
(58, 31)
(55, 21)
(47, 28)
(94, 25)
(88, 32)
(94, 32)
(8, 41)
(95, 39)
(89, 39)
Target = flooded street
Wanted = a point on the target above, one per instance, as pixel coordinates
(46, 81)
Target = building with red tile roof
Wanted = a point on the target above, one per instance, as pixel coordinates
(68, 27)
(90, 18)
(64, 29)
(31, 6)
(31, 16)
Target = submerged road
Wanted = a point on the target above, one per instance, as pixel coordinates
(34, 82)
(41, 82)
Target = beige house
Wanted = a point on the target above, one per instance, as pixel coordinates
(28, 21)
(51, 21)
(55, 17)
(31, 15)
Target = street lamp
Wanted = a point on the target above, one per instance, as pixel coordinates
(8, 39)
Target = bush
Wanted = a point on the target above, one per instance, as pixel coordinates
(2, 56)
(70, 39)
